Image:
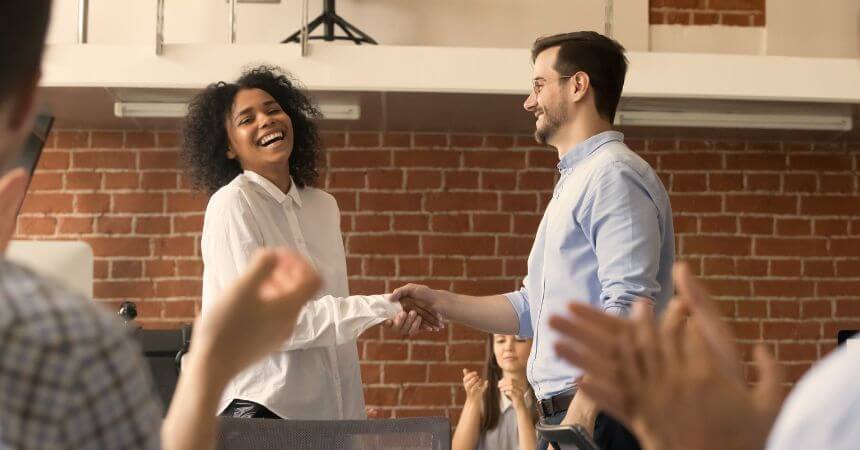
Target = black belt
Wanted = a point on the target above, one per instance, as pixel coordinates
(549, 406)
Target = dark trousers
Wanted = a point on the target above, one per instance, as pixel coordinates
(248, 410)
(609, 434)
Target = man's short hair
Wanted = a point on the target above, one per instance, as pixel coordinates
(23, 25)
(602, 58)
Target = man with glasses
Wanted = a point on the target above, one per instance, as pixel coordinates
(606, 237)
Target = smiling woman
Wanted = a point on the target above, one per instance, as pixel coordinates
(225, 122)
(252, 145)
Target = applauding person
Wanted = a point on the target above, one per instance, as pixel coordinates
(499, 412)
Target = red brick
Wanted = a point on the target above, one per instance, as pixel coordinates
(797, 352)
(187, 223)
(849, 268)
(536, 180)
(785, 268)
(177, 288)
(741, 20)
(430, 140)
(103, 160)
(690, 182)
(396, 139)
(115, 246)
(427, 352)
(793, 227)
(124, 290)
(461, 179)
(848, 308)
(180, 308)
(34, 226)
(426, 395)
(126, 268)
(716, 245)
(189, 268)
(186, 202)
(756, 225)
(800, 182)
(384, 179)
(514, 246)
(816, 309)
(333, 140)
(458, 245)
(484, 268)
(159, 160)
(543, 159)
(823, 268)
(168, 139)
(752, 5)
(159, 180)
(450, 223)
(121, 180)
(752, 267)
(461, 201)
(174, 246)
(691, 161)
(499, 141)
(374, 222)
(380, 267)
(446, 267)
(46, 181)
(139, 139)
(467, 351)
(696, 203)
(385, 351)
(76, 225)
(159, 268)
(113, 225)
(763, 182)
(491, 223)
(725, 182)
(47, 203)
(839, 288)
(791, 330)
(415, 267)
(404, 373)
(353, 179)
(756, 161)
(107, 139)
(677, 18)
(483, 287)
(83, 180)
(423, 179)
(377, 201)
(389, 244)
(830, 205)
(705, 18)
(729, 287)
(790, 247)
(761, 204)
(498, 180)
(53, 160)
(453, 372)
(820, 162)
(752, 308)
(92, 203)
(357, 139)
(72, 139)
(425, 158)
(139, 203)
(490, 159)
(467, 140)
(152, 225)
(718, 224)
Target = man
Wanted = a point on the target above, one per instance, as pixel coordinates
(606, 235)
(682, 387)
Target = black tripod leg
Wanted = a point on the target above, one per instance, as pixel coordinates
(346, 30)
(295, 37)
(364, 37)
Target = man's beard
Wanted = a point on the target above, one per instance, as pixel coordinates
(551, 124)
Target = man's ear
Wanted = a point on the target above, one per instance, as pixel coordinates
(580, 84)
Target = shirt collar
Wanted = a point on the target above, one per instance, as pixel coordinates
(274, 191)
(585, 148)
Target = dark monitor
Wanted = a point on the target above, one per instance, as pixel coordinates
(845, 335)
(159, 349)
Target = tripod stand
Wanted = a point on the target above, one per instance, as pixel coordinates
(329, 19)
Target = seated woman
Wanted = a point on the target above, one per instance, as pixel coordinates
(499, 412)
(253, 146)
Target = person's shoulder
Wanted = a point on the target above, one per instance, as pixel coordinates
(231, 195)
(318, 198)
(41, 312)
(617, 154)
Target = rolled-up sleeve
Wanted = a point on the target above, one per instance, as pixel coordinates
(520, 301)
(623, 225)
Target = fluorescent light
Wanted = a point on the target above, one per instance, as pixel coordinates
(330, 111)
(149, 109)
(835, 121)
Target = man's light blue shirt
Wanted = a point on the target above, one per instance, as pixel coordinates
(605, 239)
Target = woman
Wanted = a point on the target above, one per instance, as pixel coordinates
(499, 412)
(253, 146)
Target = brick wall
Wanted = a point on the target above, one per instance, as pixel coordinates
(743, 13)
(774, 228)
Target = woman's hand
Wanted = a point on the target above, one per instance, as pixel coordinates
(474, 385)
(515, 390)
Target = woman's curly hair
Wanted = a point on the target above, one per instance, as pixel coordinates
(204, 134)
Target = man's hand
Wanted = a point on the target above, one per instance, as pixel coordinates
(13, 187)
(425, 302)
(256, 315)
(677, 386)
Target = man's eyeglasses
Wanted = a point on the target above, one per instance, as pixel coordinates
(539, 83)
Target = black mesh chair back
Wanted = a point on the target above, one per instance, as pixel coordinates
(424, 433)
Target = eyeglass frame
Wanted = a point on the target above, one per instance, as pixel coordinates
(537, 88)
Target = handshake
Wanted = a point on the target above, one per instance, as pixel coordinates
(424, 309)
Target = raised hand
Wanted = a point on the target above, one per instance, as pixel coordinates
(474, 386)
(677, 386)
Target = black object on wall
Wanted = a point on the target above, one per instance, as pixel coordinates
(329, 20)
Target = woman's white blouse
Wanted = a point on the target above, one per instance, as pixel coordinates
(316, 375)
